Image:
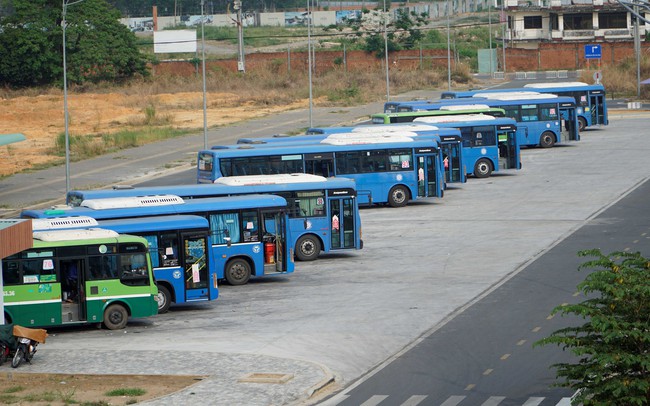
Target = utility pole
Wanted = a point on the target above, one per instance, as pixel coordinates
(240, 31)
(205, 102)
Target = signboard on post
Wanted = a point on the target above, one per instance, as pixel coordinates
(592, 51)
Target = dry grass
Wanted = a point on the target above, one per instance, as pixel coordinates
(620, 79)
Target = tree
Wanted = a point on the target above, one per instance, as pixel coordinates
(613, 345)
(98, 46)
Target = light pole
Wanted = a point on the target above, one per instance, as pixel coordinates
(309, 62)
(205, 101)
(490, 32)
(386, 52)
(448, 51)
(64, 9)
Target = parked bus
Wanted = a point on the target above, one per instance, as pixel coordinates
(390, 172)
(178, 247)
(389, 115)
(543, 120)
(323, 212)
(450, 141)
(489, 143)
(79, 277)
(591, 101)
(248, 234)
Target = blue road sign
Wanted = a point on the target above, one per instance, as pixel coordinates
(592, 52)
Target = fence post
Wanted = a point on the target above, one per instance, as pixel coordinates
(289, 59)
(345, 59)
(421, 67)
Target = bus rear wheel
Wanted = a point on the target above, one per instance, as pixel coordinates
(164, 299)
(547, 139)
(307, 248)
(398, 196)
(115, 317)
(482, 168)
(582, 124)
(238, 272)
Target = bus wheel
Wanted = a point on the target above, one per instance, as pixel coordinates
(582, 124)
(164, 299)
(398, 196)
(307, 248)
(115, 317)
(238, 272)
(547, 139)
(482, 168)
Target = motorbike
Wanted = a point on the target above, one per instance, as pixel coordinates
(27, 341)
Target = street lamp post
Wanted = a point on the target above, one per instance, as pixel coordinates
(64, 9)
(205, 101)
(448, 51)
(386, 52)
(309, 62)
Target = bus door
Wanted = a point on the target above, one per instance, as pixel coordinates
(199, 284)
(598, 108)
(508, 147)
(570, 126)
(429, 178)
(320, 164)
(73, 289)
(342, 219)
(274, 237)
(452, 161)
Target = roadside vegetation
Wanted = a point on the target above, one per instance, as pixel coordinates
(613, 344)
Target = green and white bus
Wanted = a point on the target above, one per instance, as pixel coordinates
(79, 277)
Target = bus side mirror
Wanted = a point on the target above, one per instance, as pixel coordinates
(228, 241)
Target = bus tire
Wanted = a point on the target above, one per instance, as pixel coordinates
(398, 196)
(482, 168)
(582, 124)
(307, 248)
(115, 317)
(238, 272)
(164, 299)
(547, 139)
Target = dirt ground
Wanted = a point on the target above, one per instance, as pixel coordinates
(40, 118)
(65, 389)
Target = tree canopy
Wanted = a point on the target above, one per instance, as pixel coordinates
(98, 46)
(613, 345)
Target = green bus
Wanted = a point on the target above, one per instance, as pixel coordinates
(79, 277)
(393, 114)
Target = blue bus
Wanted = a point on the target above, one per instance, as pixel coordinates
(591, 101)
(248, 234)
(392, 171)
(542, 120)
(178, 246)
(323, 212)
(489, 143)
(450, 141)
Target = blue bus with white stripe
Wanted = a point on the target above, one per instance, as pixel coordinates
(390, 170)
(323, 212)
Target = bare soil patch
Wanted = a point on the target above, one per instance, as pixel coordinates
(65, 389)
(41, 118)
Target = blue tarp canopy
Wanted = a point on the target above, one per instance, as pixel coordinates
(645, 82)
(11, 138)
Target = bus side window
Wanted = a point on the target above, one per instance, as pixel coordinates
(11, 273)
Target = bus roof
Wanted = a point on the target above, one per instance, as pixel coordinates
(190, 206)
(249, 180)
(516, 95)
(134, 201)
(368, 138)
(454, 118)
(465, 107)
(123, 226)
(556, 84)
(72, 235)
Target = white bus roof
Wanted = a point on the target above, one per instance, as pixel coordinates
(63, 222)
(456, 107)
(135, 201)
(390, 128)
(498, 95)
(557, 84)
(359, 138)
(378, 134)
(455, 118)
(68, 235)
(269, 179)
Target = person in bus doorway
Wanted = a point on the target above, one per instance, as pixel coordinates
(71, 276)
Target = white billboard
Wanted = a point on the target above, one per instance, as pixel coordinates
(174, 41)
